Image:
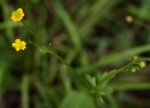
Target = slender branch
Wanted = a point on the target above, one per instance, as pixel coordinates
(27, 27)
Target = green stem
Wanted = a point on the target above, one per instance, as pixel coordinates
(54, 54)
(114, 59)
(130, 86)
(25, 91)
(145, 59)
(112, 73)
(27, 27)
(46, 49)
(59, 58)
(82, 80)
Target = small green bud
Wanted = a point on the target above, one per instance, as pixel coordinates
(133, 70)
(135, 57)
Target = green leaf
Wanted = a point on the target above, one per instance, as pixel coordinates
(92, 80)
(43, 49)
(105, 90)
(99, 99)
(77, 100)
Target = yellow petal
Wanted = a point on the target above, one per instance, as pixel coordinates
(20, 11)
(17, 41)
(13, 44)
(23, 45)
(17, 49)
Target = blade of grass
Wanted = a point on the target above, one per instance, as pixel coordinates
(25, 91)
(65, 17)
(131, 86)
(3, 67)
(114, 58)
(8, 27)
(74, 33)
(4, 25)
(96, 12)
(112, 100)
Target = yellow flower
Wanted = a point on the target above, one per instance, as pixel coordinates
(18, 45)
(17, 15)
(142, 64)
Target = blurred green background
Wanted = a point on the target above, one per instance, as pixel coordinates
(92, 36)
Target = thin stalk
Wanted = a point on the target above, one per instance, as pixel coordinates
(46, 49)
(112, 73)
(29, 29)
(82, 80)
(114, 59)
(25, 91)
(72, 72)
(130, 86)
(70, 26)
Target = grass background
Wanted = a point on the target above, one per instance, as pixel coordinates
(91, 35)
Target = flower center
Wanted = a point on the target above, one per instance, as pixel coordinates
(17, 14)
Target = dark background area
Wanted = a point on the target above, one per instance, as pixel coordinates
(93, 36)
